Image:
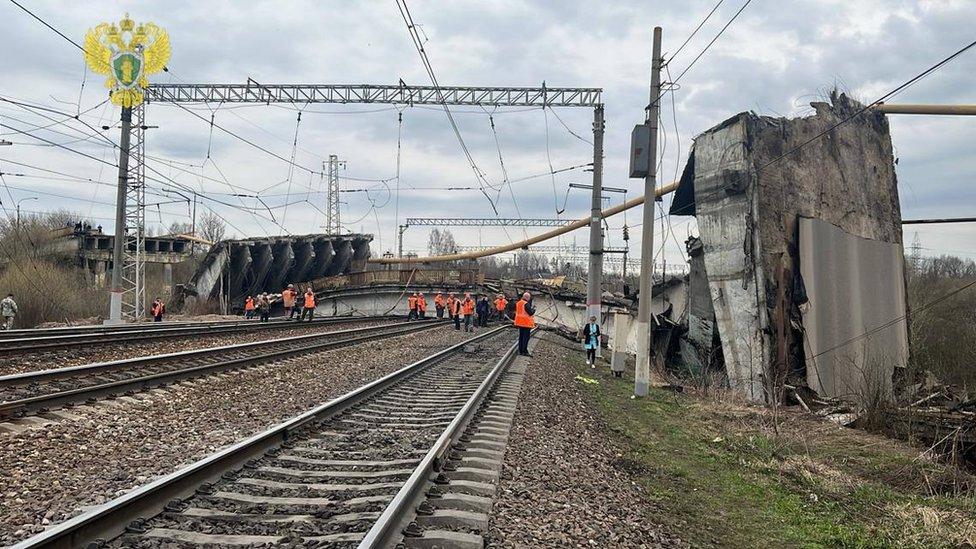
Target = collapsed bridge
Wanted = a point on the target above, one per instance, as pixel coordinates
(235, 269)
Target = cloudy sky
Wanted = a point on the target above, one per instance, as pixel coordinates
(774, 59)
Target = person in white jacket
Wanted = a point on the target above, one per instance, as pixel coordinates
(8, 310)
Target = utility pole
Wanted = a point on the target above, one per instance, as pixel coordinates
(400, 240)
(645, 335)
(115, 291)
(18, 208)
(594, 286)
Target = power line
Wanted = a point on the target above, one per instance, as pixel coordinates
(43, 22)
(693, 33)
(419, 45)
(709, 45)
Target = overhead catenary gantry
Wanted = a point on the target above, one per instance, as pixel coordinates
(398, 94)
(402, 94)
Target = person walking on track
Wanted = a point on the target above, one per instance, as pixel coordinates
(412, 307)
(439, 305)
(264, 307)
(467, 309)
(288, 299)
(157, 310)
(524, 321)
(309, 309)
(591, 340)
(421, 306)
(249, 307)
(8, 310)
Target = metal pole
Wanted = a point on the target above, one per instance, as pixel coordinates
(115, 292)
(642, 375)
(594, 287)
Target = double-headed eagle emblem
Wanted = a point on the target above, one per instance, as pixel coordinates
(127, 54)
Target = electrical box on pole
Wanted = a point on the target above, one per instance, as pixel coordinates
(639, 157)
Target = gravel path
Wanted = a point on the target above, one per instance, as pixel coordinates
(559, 487)
(62, 358)
(50, 472)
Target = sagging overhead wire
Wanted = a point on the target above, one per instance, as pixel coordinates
(429, 69)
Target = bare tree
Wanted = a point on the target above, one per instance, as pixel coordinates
(211, 227)
(441, 242)
(179, 228)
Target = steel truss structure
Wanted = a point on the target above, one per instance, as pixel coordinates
(402, 94)
(134, 231)
(332, 224)
(485, 222)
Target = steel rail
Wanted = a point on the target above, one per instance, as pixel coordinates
(109, 520)
(386, 531)
(48, 342)
(103, 328)
(301, 347)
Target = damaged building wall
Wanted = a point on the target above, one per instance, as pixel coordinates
(748, 181)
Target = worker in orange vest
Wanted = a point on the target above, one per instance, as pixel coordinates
(454, 309)
(524, 321)
(421, 305)
(157, 310)
(309, 309)
(412, 307)
(451, 305)
(467, 309)
(249, 307)
(500, 305)
(439, 305)
(288, 299)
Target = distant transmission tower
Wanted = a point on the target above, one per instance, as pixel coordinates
(332, 225)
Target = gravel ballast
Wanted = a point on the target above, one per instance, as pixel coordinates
(50, 472)
(559, 486)
(91, 353)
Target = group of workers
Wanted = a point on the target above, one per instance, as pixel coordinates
(289, 300)
(470, 312)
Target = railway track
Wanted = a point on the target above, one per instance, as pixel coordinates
(39, 340)
(47, 389)
(397, 460)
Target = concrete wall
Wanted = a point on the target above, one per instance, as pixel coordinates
(748, 181)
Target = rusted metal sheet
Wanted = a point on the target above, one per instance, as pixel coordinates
(854, 320)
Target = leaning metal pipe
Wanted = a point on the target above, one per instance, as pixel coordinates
(578, 224)
(905, 108)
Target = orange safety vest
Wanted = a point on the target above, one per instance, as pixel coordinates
(468, 306)
(501, 303)
(522, 318)
(412, 303)
(450, 305)
(309, 301)
(438, 300)
(288, 298)
(249, 304)
(422, 304)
